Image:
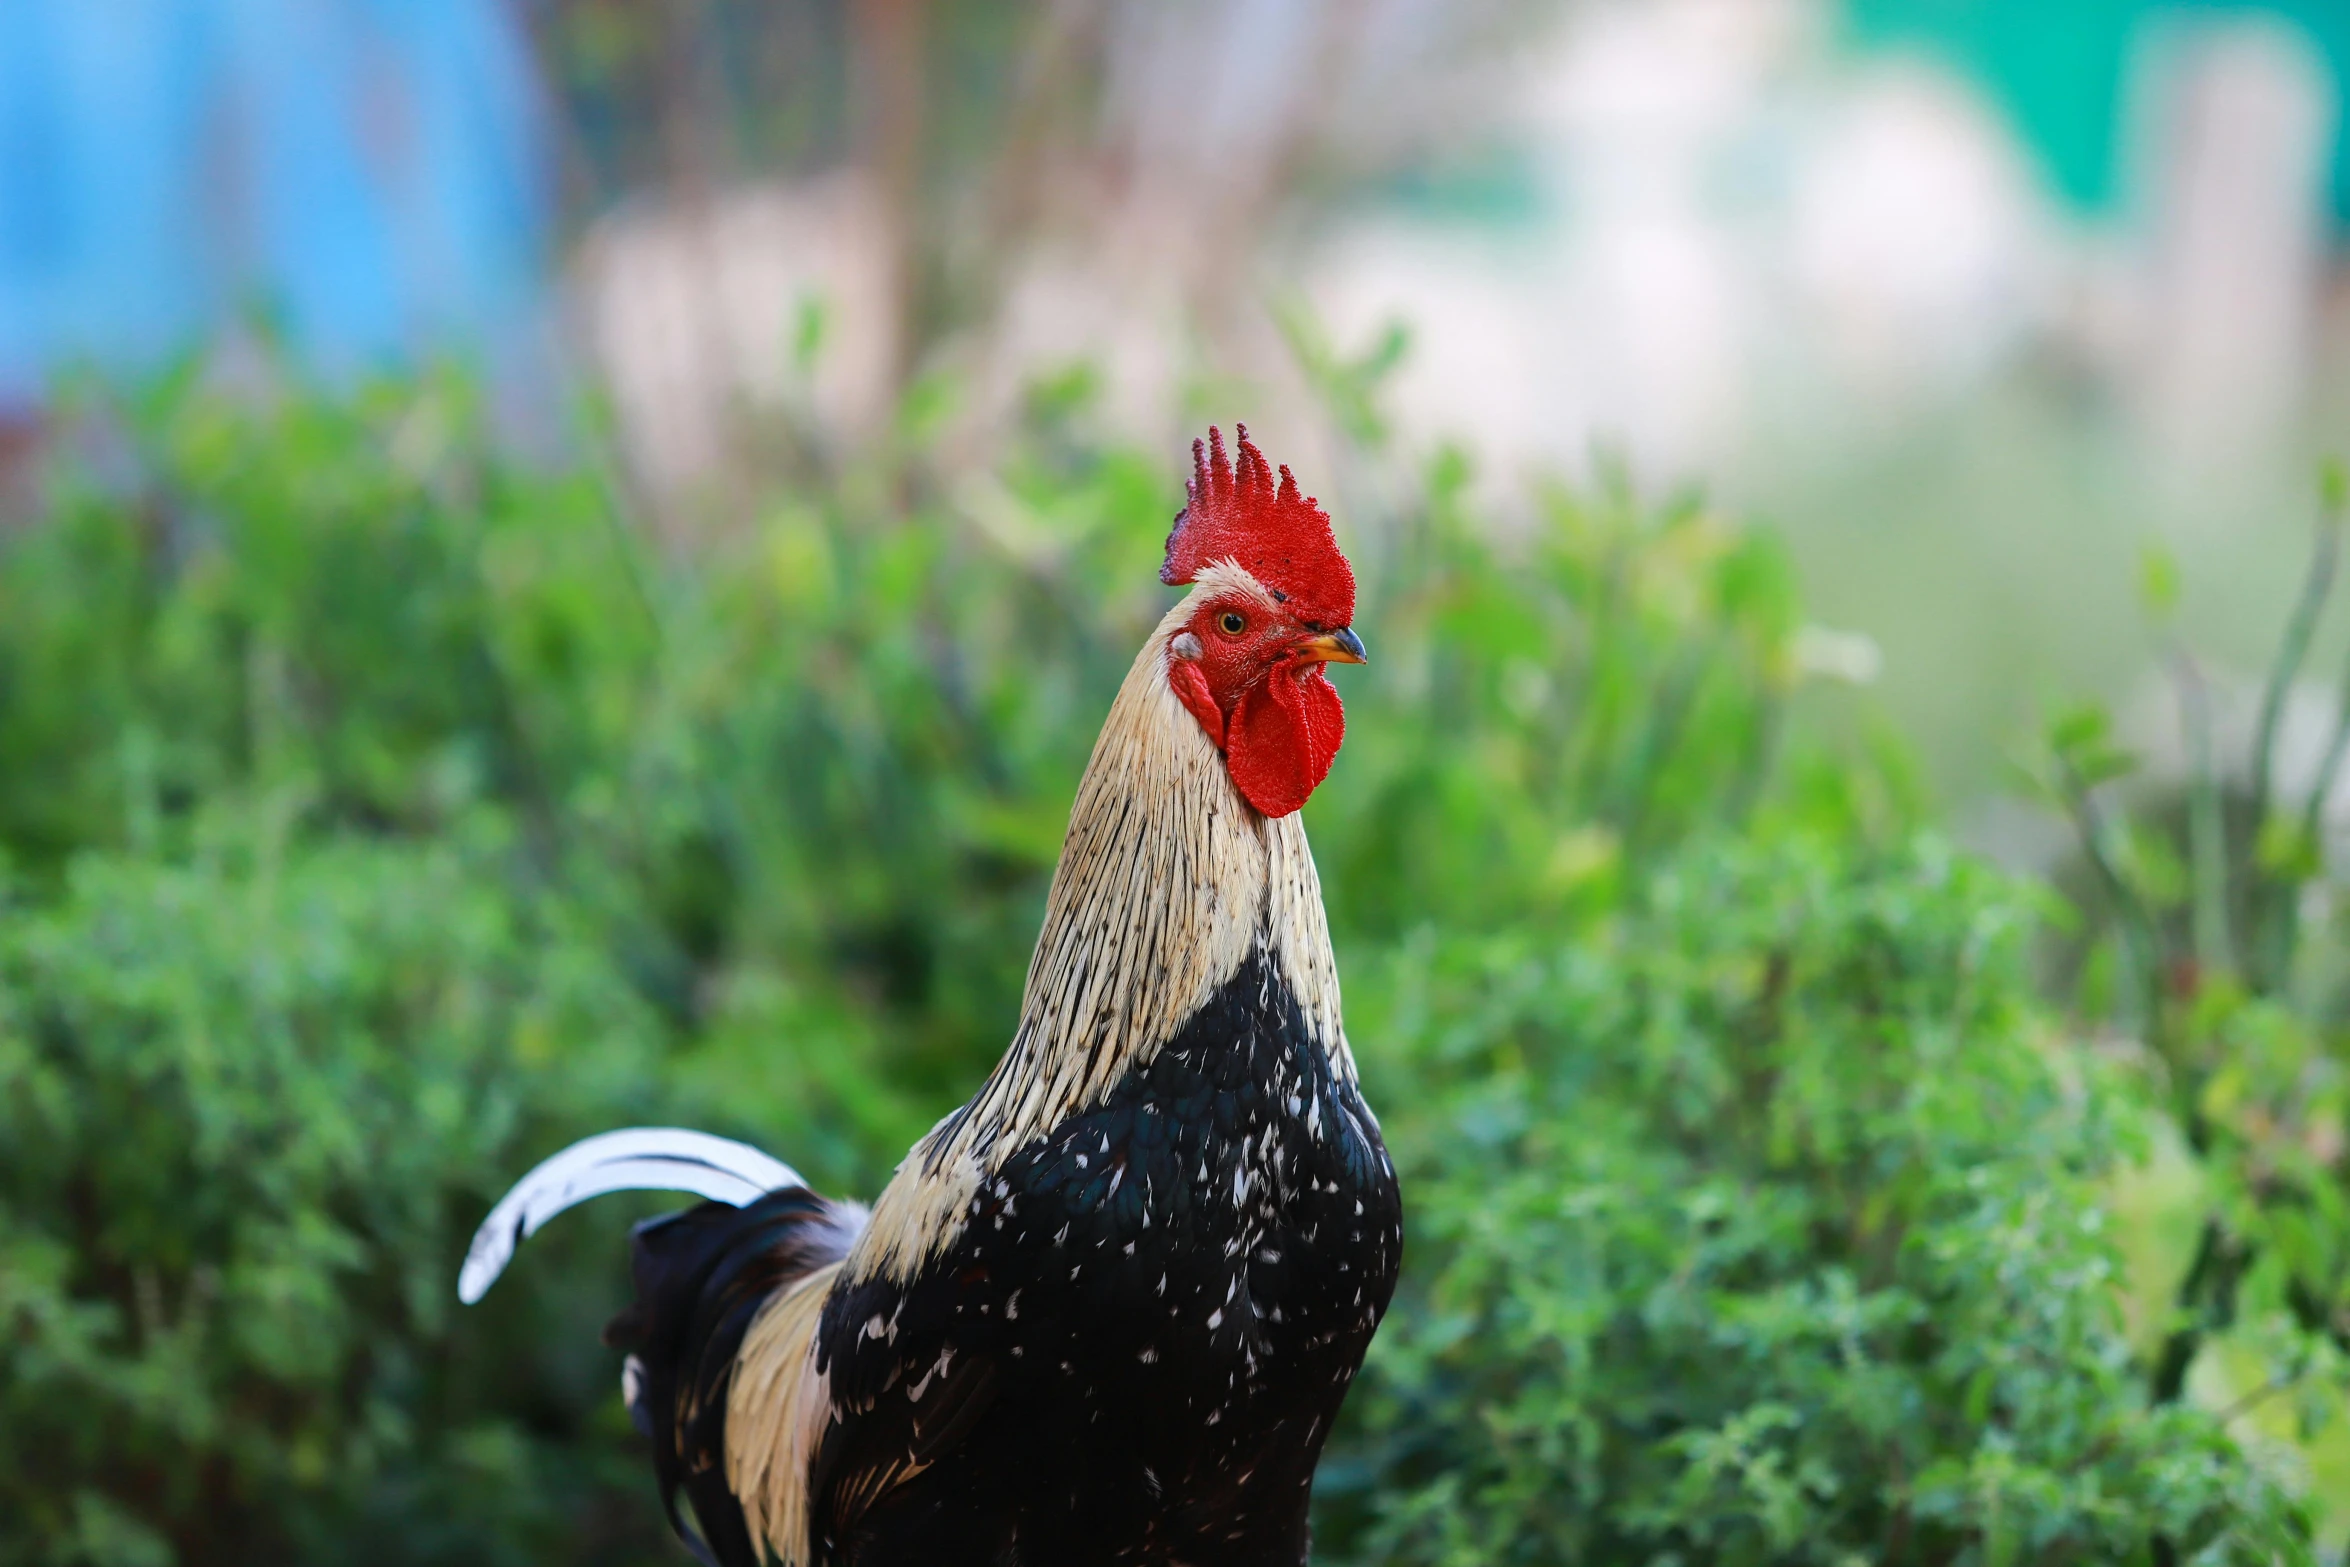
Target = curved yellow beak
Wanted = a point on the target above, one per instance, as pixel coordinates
(1335, 647)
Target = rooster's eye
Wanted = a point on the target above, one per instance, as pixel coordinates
(1232, 623)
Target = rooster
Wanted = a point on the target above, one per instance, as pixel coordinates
(1107, 1310)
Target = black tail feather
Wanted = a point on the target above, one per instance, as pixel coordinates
(701, 1277)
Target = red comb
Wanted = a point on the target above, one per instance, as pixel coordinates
(1278, 536)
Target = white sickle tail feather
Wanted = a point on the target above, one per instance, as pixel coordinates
(702, 1278)
(640, 1159)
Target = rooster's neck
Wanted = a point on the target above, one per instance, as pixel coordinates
(1168, 881)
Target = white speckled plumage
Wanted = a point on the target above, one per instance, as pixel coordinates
(1166, 879)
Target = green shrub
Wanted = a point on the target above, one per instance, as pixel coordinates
(378, 813)
(253, 1102)
(815, 773)
(2205, 929)
(1767, 1227)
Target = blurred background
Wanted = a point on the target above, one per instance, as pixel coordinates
(559, 556)
(1966, 296)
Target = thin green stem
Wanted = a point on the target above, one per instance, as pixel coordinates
(2316, 584)
(2140, 936)
(2275, 913)
(2207, 849)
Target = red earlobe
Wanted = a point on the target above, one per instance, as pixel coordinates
(1191, 689)
(1283, 737)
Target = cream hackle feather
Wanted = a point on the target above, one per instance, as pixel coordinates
(1167, 880)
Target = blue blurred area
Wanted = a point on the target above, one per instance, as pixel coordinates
(372, 174)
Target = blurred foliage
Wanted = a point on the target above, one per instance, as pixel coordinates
(379, 813)
(251, 1095)
(1766, 1227)
(2207, 939)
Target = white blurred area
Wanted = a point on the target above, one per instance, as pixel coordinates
(1729, 229)
(1146, 242)
(1747, 233)
(705, 313)
(2226, 334)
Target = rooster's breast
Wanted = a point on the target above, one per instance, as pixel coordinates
(1144, 1327)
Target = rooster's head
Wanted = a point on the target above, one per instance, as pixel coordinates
(1275, 602)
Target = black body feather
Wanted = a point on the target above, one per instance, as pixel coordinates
(1133, 1349)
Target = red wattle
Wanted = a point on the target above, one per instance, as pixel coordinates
(1191, 689)
(1285, 730)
